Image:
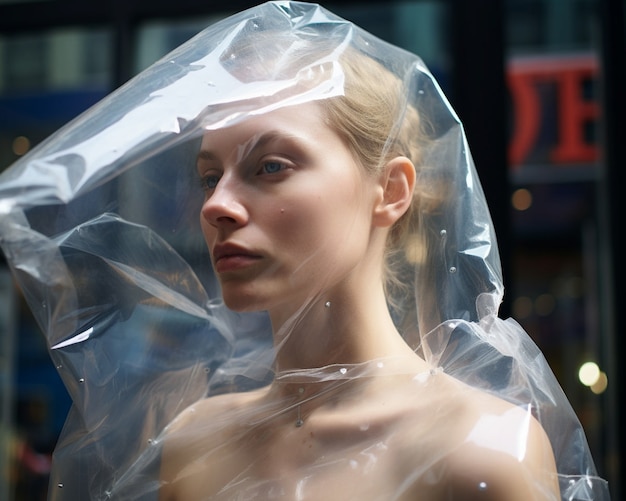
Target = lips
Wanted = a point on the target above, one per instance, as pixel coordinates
(231, 257)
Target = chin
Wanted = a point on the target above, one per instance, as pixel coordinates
(248, 297)
(242, 302)
(240, 306)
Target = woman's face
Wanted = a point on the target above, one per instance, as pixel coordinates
(287, 209)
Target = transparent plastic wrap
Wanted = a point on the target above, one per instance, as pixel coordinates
(265, 269)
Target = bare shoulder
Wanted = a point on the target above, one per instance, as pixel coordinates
(197, 436)
(218, 410)
(470, 445)
(505, 454)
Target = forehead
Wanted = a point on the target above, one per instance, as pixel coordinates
(303, 121)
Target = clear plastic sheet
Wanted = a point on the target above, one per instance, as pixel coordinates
(303, 368)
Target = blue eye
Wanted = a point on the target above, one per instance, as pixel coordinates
(210, 182)
(271, 167)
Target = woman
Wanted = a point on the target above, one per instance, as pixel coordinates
(277, 187)
(340, 199)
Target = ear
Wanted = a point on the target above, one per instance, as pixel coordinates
(397, 183)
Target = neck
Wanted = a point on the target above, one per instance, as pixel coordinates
(337, 328)
(322, 350)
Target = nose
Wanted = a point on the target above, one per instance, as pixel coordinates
(223, 206)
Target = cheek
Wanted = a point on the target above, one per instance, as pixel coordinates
(314, 224)
(301, 227)
(290, 220)
(207, 229)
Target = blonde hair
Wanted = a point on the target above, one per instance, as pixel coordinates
(378, 123)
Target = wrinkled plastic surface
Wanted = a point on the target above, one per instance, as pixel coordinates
(100, 226)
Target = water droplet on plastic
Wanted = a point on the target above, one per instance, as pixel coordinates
(482, 486)
(343, 370)
(327, 304)
(420, 91)
(81, 380)
(452, 269)
(443, 233)
(151, 441)
(60, 486)
(60, 366)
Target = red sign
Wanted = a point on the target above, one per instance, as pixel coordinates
(565, 80)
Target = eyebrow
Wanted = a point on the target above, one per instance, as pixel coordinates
(260, 142)
(205, 155)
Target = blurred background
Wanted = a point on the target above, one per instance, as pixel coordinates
(538, 85)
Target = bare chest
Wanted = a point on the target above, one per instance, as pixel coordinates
(303, 465)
